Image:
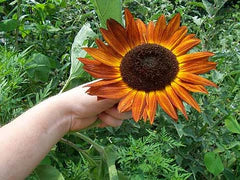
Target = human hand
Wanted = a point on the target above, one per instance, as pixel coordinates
(84, 109)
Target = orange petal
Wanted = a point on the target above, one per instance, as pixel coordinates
(198, 67)
(176, 38)
(138, 105)
(175, 100)
(103, 57)
(184, 95)
(166, 104)
(113, 42)
(194, 56)
(142, 28)
(100, 44)
(132, 29)
(102, 71)
(89, 61)
(97, 75)
(129, 108)
(104, 82)
(195, 79)
(159, 29)
(188, 37)
(172, 26)
(192, 87)
(152, 105)
(150, 29)
(112, 91)
(144, 116)
(127, 101)
(107, 49)
(185, 46)
(119, 32)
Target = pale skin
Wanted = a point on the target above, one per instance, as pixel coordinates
(25, 141)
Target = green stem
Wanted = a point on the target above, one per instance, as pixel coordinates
(99, 148)
(65, 86)
(74, 146)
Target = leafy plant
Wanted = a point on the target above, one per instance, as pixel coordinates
(148, 157)
(40, 43)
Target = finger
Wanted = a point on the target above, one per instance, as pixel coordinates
(117, 115)
(109, 120)
(82, 123)
(102, 125)
(87, 103)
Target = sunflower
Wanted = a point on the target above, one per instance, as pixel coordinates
(144, 65)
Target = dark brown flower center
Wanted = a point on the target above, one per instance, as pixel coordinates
(149, 67)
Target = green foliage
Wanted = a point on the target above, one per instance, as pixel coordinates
(48, 172)
(40, 42)
(232, 125)
(212, 9)
(149, 158)
(8, 25)
(18, 89)
(38, 68)
(12, 81)
(213, 163)
(82, 39)
(104, 9)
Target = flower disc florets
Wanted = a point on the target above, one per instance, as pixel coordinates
(149, 67)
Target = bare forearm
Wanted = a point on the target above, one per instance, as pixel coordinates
(25, 141)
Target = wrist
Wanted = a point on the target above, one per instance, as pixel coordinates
(59, 113)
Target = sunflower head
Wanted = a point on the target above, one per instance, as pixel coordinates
(145, 65)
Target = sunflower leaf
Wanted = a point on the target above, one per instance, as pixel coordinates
(107, 9)
(111, 157)
(48, 172)
(213, 163)
(232, 125)
(80, 41)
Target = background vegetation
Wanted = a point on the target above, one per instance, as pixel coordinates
(37, 60)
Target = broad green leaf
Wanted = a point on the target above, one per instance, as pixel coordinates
(107, 9)
(48, 172)
(232, 124)
(46, 161)
(99, 172)
(211, 9)
(213, 163)
(208, 7)
(38, 68)
(111, 157)
(80, 41)
(8, 25)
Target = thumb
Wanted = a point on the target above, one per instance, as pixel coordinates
(88, 104)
